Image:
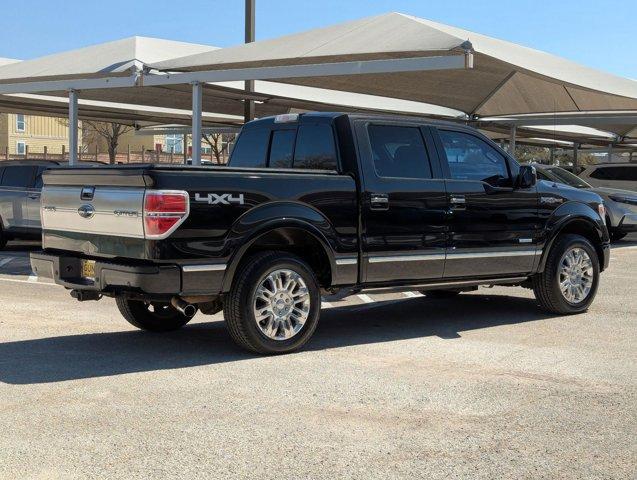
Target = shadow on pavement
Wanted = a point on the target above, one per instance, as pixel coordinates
(103, 354)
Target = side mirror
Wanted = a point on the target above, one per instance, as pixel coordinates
(527, 177)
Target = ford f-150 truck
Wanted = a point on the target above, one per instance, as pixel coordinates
(318, 204)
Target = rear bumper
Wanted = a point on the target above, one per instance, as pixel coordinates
(111, 277)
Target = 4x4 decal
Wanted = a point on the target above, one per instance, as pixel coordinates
(223, 198)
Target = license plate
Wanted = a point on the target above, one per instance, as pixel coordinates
(88, 269)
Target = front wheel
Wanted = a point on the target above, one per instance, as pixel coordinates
(274, 303)
(151, 316)
(570, 278)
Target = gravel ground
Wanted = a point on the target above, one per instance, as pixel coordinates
(483, 386)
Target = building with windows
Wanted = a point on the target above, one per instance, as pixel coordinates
(20, 133)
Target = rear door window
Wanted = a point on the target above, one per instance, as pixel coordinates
(315, 148)
(399, 151)
(251, 148)
(18, 176)
(282, 148)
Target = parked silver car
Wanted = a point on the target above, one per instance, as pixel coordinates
(612, 175)
(20, 186)
(621, 205)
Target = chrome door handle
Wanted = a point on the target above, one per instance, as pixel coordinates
(379, 201)
(458, 200)
(34, 196)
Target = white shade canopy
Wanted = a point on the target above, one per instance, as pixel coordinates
(506, 78)
(123, 58)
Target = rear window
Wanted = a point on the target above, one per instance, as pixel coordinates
(282, 148)
(251, 148)
(18, 176)
(315, 148)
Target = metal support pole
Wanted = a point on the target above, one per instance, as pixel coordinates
(610, 152)
(73, 140)
(514, 130)
(184, 150)
(552, 157)
(197, 93)
(575, 152)
(248, 105)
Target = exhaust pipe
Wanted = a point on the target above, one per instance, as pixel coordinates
(185, 308)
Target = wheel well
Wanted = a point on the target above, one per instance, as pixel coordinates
(588, 231)
(299, 242)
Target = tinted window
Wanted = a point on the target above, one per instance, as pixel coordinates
(601, 173)
(471, 158)
(399, 152)
(251, 148)
(282, 148)
(564, 176)
(315, 148)
(17, 177)
(625, 173)
(38, 178)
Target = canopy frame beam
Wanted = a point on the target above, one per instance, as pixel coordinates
(449, 62)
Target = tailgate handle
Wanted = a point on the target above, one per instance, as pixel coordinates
(87, 193)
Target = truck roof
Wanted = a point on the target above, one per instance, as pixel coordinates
(329, 117)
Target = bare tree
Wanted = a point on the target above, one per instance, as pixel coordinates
(109, 132)
(214, 140)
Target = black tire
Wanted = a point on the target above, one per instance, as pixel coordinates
(153, 317)
(546, 284)
(440, 294)
(616, 235)
(238, 306)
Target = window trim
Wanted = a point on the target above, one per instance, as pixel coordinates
(416, 126)
(445, 161)
(17, 122)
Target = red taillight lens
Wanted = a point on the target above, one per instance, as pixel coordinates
(163, 212)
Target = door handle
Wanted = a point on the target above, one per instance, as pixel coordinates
(34, 196)
(379, 201)
(458, 201)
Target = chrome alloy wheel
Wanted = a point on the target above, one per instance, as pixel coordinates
(576, 275)
(281, 304)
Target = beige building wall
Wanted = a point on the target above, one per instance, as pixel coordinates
(39, 132)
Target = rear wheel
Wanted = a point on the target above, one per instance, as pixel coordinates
(274, 303)
(570, 278)
(151, 316)
(440, 294)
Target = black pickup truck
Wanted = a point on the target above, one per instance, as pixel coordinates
(318, 204)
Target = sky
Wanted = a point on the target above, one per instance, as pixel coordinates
(596, 33)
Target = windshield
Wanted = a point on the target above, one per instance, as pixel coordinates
(560, 175)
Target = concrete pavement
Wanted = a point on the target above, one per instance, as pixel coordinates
(482, 386)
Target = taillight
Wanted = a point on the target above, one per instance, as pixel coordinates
(164, 211)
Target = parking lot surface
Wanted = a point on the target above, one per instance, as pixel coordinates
(395, 386)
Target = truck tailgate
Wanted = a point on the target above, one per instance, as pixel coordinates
(115, 211)
(81, 208)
